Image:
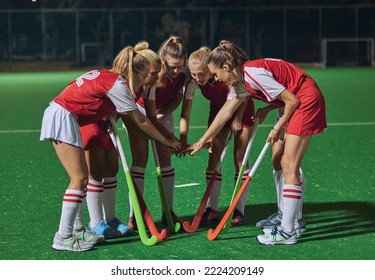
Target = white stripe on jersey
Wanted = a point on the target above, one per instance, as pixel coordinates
(263, 80)
(121, 97)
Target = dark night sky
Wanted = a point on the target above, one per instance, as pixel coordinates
(28, 4)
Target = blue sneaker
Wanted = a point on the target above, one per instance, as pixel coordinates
(116, 224)
(278, 237)
(271, 221)
(105, 230)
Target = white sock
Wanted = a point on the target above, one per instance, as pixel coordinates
(213, 200)
(292, 196)
(71, 202)
(109, 198)
(138, 174)
(168, 178)
(78, 222)
(242, 202)
(303, 187)
(278, 177)
(94, 200)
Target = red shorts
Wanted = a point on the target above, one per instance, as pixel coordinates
(310, 116)
(247, 118)
(96, 136)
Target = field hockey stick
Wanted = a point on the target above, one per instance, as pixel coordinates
(193, 226)
(174, 228)
(145, 212)
(133, 195)
(148, 218)
(213, 234)
(242, 169)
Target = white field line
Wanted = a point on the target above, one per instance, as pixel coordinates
(194, 127)
(187, 185)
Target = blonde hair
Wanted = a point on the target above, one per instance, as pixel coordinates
(228, 53)
(142, 48)
(200, 56)
(174, 47)
(131, 60)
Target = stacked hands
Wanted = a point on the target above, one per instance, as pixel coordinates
(236, 128)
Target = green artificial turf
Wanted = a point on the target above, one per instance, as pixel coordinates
(339, 201)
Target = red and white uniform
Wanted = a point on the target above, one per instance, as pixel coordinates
(86, 100)
(182, 83)
(266, 78)
(217, 93)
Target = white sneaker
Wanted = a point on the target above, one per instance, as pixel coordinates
(299, 227)
(88, 236)
(70, 244)
(277, 237)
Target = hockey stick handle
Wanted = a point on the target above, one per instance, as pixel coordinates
(223, 153)
(155, 152)
(118, 143)
(251, 141)
(259, 159)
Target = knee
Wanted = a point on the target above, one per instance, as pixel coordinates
(79, 182)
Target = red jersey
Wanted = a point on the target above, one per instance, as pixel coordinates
(95, 94)
(182, 83)
(266, 78)
(217, 93)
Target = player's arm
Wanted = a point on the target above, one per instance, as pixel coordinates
(225, 113)
(146, 126)
(150, 107)
(291, 104)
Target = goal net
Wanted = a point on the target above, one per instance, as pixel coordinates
(347, 52)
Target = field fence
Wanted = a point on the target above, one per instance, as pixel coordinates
(85, 37)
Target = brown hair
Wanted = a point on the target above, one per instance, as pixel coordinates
(228, 53)
(200, 56)
(174, 47)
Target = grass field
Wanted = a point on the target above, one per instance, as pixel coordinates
(339, 167)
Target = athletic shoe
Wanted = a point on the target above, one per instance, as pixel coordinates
(174, 218)
(105, 230)
(132, 223)
(238, 219)
(278, 237)
(70, 244)
(88, 236)
(299, 227)
(116, 224)
(271, 221)
(209, 216)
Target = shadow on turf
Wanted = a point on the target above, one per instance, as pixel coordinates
(326, 220)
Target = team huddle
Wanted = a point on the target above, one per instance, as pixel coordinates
(143, 89)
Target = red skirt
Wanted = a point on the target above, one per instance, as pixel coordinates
(310, 116)
(96, 135)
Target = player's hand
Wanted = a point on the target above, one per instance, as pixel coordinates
(236, 126)
(273, 137)
(174, 144)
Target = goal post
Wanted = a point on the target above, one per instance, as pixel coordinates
(366, 43)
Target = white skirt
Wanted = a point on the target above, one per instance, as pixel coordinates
(59, 124)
